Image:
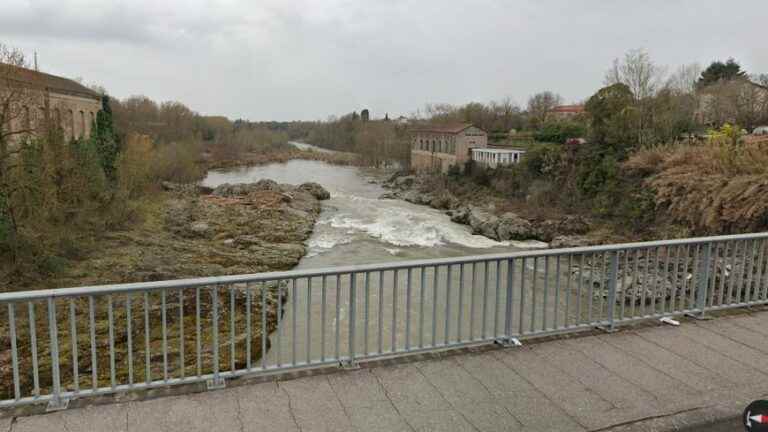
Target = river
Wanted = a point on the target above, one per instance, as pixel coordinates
(356, 227)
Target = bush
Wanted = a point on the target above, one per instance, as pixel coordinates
(178, 162)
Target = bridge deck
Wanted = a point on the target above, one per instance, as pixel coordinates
(651, 378)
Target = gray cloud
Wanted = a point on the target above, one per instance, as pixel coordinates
(308, 59)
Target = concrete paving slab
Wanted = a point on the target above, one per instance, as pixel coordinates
(709, 358)
(730, 329)
(736, 351)
(409, 389)
(529, 406)
(201, 412)
(378, 418)
(107, 418)
(5, 424)
(358, 389)
(665, 360)
(579, 401)
(621, 393)
(315, 405)
(756, 322)
(264, 407)
(670, 392)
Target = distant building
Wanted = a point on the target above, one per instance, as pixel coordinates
(48, 100)
(402, 120)
(493, 157)
(566, 111)
(437, 147)
(364, 115)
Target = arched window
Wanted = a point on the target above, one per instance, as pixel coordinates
(82, 124)
(26, 121)
(71, 133)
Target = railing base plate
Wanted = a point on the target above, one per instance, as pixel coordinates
(508, 342)
(349, 365)
(699, 317)
(607, 329)
(216, 384)
(57, 405)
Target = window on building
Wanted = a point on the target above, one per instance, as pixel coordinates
(82, 124)
(26, 121)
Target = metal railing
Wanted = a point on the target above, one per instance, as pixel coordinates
(60, 344)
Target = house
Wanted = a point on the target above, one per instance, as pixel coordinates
(736, 101)
(494, 157)
(438, 147)
(562, 112)
(38, 100)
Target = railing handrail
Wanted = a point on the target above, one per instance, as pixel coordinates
(95, 290)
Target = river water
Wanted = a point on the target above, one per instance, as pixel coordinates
(356, 227)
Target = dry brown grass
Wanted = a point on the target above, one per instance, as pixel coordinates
(712, 188)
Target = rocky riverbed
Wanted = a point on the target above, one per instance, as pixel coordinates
(567, 231)
(186, 231)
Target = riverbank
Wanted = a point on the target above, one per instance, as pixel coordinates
(496, 217)
(283, 154)
(185, 231)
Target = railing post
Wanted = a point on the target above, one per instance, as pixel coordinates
(508, 340)
(701, 291)
(351, 363)
(57, 402)
(217, 382)
(613, 278)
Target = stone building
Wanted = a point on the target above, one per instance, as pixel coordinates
(437, 147)
(563, 112)
(37, 100)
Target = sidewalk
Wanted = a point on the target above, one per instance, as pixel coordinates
(652, 378)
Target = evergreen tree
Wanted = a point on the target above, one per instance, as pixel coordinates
(719, 71)
(105, 140)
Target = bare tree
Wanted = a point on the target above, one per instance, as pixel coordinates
(540, 105)
(16, 97)
(684, 79)
(638, 72)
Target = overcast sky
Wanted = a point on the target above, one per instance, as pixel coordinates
(306, 60)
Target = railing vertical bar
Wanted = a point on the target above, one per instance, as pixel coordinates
(534, 289)
(409, 281)
(568, 291)
(111, 319)
(459, 335)
(338, 316)
(323, 301)
(14, 352)
(294, 312)
(33, 347)
(449, 275)
(664, 305)
(613, 277)
(750, 271)
(656, 287)
(590, 294)
(380, 315)
(544, 305)
(676, 280)
(557, 292)
(215, 331)
(760, 271)
(198, 336)
(509, 298)
(279, 314)
(714, 257)
(129, 336)
(164, 316)
(308, 344)
(743, 273)
(732, 272)
(484, 315)
(421, 308)
(497, 300)
(472, 295)
(393, 342)
(232, 330)
(353, 316)
(723, 272)
(763, 286)
(635, 280)
(53, 328)
(434, 304)
(367, 308)
(603, 273)
(248, 327)
(694, 277)
(624, 284)
(182, 366)
(92, 331)
(264, 328)
(73, 342)
(147, 366)
(521, 329)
